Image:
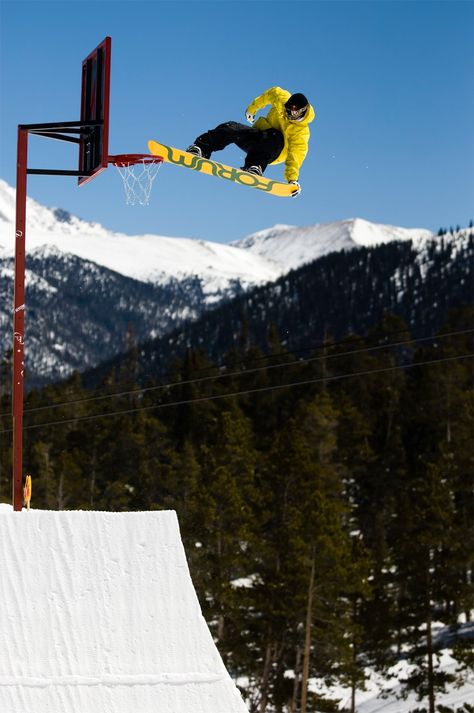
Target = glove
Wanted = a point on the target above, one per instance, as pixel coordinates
(250, 117)
(297, 186)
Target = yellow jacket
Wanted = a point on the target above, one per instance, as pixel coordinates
(296, 134)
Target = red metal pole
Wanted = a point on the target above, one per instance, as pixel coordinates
(19, 318)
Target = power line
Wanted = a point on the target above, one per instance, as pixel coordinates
(266, 357)
(324, 345)
(234, 394)
(299, 362)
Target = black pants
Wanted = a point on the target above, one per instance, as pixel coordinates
(261, 147)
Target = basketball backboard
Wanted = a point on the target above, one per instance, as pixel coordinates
(95, 98)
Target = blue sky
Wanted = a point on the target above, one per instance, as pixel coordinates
(391, 82)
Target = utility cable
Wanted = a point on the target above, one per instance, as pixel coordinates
(297, 363)
(234, 394)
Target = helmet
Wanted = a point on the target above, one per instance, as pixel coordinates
(296, 107)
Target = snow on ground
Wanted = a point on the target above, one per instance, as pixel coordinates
(383, 695)
(98, 613)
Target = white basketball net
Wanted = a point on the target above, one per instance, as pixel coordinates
(138, 179)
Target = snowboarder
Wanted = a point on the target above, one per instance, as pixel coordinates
(281, 136)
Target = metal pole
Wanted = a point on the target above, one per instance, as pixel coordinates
(19, 318)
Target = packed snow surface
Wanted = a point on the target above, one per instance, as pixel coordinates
(98, 613)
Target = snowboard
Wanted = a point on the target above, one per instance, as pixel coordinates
(170, 154)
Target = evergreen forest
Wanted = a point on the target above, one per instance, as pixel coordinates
(324, 496)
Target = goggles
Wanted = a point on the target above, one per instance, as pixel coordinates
(295, 114)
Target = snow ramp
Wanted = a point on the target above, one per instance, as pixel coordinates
(98, 613)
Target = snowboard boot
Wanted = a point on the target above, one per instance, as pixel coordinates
(195, 150)
(256, 170)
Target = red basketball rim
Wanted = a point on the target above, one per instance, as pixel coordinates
(130, 159)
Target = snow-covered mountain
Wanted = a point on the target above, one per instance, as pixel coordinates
(292, 246)
(89, 288)
(256, 259)
(420, 283)
(154, 259)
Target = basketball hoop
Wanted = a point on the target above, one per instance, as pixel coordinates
(137, 171)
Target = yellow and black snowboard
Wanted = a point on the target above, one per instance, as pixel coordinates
(213, 168)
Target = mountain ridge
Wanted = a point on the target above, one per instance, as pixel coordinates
(337, 295)
(257, 258)
(149, 285)
(294, 246)
(148, 258)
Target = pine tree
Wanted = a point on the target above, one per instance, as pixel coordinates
(307, 576)
(373, 448)
(434, 556)
(225, 511)
(188, 420)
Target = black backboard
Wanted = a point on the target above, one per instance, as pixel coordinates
(95, 104)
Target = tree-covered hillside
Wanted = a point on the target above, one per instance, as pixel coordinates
(338, 294)
(325, 502)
